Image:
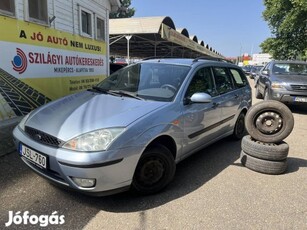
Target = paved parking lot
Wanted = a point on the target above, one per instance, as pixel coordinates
(211, 190)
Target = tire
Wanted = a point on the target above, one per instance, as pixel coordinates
(263, 166)
(265, 151)
(269, 121)
(239, 130)
(155, 170)
(258, 95)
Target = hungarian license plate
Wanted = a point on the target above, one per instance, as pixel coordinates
(300, 99)
(33, 156)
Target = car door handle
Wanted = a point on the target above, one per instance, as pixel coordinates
(215, 105)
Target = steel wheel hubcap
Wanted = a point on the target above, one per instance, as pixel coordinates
(151, 172)
(269, 122)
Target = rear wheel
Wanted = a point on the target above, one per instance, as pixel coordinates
(155, 169)
(239, 129)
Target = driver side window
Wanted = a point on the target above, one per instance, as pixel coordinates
(201, 83)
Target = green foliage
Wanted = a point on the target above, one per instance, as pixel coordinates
(287, 20)
(124, 11)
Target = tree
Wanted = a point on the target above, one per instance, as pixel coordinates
(123, 11)
(287, 20)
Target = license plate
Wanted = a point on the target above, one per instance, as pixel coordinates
(300, 99)
(33, 156)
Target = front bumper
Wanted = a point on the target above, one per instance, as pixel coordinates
(112, 170)
(289, 97)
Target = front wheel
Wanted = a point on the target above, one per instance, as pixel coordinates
(155, 170)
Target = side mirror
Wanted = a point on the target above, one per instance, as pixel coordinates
(265, 72)
(201, 98)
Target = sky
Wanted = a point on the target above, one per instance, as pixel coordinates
(231, 27)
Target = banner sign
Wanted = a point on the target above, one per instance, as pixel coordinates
(46, 64)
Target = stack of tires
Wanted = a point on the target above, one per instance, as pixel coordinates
(268, 123)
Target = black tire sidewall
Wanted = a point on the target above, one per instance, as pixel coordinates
(265, 151)
(263, 166)
(236, 135)
(164, 155)
(261, 107)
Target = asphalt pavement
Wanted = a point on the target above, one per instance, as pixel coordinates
(211, 190)
(6, 137)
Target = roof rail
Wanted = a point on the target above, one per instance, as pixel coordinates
(211, 58)
(159, 57)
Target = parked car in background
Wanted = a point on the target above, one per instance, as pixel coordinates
(247, 69)
(130, 130)
(120, 61)
(116, 66)
(254, 71)
(285, 81)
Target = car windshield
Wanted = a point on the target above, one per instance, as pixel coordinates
(246, 68)
(290, 68)
(149, 81)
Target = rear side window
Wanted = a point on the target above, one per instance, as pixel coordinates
(223, 80)
(239, 78)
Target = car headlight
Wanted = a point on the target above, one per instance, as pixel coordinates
(21, 124)
(97, 140)
(277, 85)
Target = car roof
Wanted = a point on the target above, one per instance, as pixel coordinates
(289, 61)
(188, 61)
(180, 61)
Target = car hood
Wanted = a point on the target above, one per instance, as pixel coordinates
(291, 79)
(87, 111)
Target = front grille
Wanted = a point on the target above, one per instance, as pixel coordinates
(299, 88)
(42, 137)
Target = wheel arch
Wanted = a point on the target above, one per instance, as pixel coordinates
(166, 141)
(244, 110)
(267, 86)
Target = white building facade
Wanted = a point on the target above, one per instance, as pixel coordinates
(261, 59)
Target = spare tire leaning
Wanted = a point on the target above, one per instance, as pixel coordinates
(265, 151)
(269, 121)
(263, 166)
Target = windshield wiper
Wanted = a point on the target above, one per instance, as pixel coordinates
(127, 94)
(116, 92)
(101, 90)
(104, 91)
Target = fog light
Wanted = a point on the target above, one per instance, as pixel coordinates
(83, 182)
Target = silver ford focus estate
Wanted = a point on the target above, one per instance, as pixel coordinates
(130, 130)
